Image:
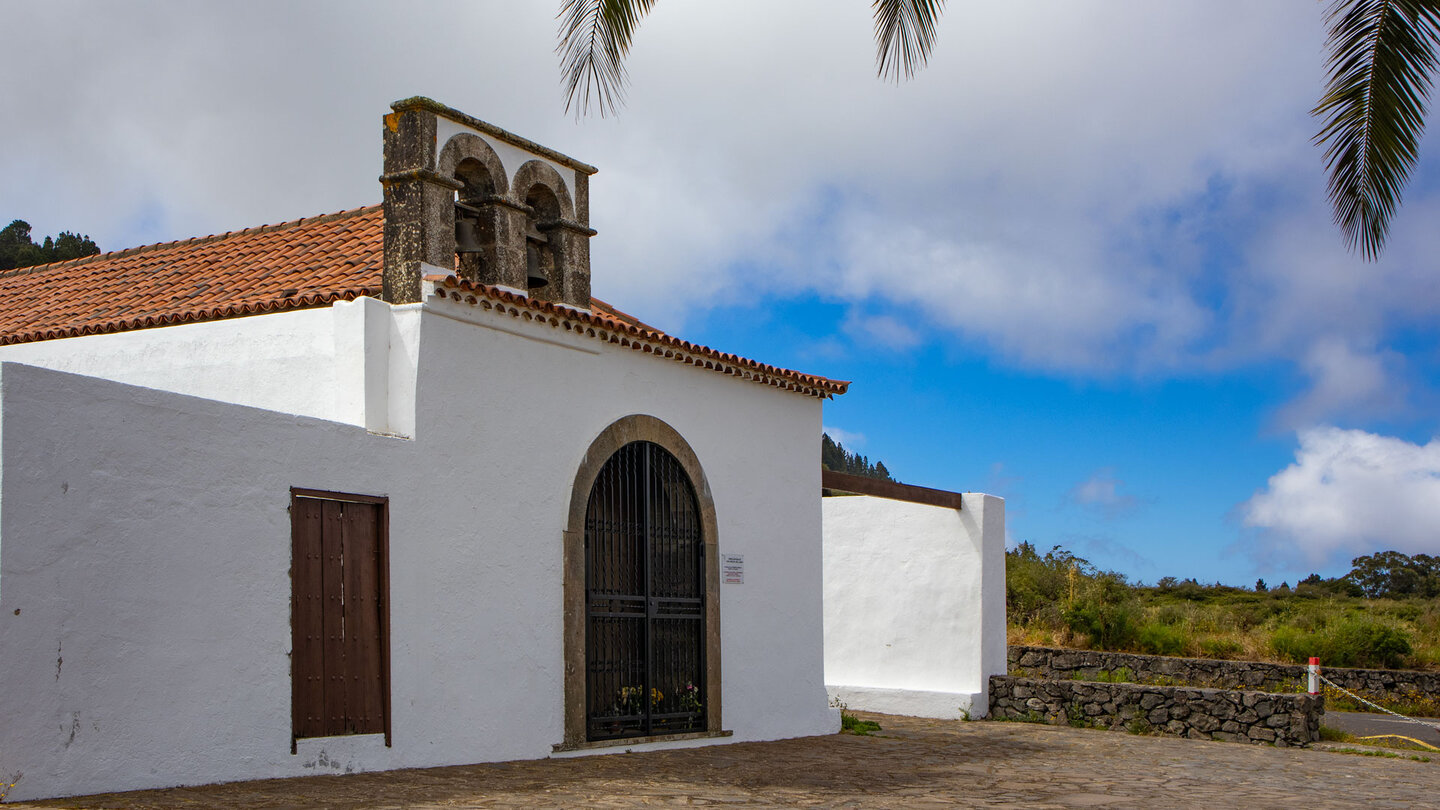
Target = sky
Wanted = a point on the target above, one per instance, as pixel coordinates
(1083, 260)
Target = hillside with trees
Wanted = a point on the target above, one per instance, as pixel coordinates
(17, 249)
(834, 456)
(1380, 614)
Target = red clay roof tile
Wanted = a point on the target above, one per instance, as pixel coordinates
(306, 263)
(614, 326)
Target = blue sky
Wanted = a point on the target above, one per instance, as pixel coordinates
(1083, 260)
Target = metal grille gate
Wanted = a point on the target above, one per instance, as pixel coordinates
(644, 598)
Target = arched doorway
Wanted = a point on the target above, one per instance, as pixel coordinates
(641, 590)
(644, 598)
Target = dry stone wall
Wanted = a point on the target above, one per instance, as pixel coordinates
(1208, 714)
(1054, 663)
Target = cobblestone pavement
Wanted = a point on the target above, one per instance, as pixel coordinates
(912, 763)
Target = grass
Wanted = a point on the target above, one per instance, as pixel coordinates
(1139, 726)
(1058, 600)
(850, 724)
(1335, 735)
(1342, 631)
(1117, 675)
(1332, 734)
(1230, 624)
(1076, 717)
(1397, 741)
(1362, 752)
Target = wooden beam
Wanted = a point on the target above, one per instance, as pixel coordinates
(860, 485)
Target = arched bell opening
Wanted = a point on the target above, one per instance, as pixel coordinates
(541, 265)
(551, 254)
(474, 222)
(469, 166)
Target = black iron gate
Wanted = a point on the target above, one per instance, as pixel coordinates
(644, 598)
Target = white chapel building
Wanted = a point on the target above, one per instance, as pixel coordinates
(388, 488)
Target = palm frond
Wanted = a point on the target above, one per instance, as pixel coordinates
(904, 35)
(594, 38)
(1382, 57)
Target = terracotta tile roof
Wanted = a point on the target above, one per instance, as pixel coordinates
(305, 263)
(615, 327)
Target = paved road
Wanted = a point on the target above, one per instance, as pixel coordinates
(1363, 725)
(912, 763)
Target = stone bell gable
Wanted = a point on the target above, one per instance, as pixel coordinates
(493, 208)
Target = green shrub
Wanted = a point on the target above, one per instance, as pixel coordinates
(1351, 642)
(1109, 627)
(1362, 643)
(850, 724)
(1406, 611)
(1161, 639)
(1295, 646)
(1172, 615)
(1255, 612)
(1222, 648)
(1311, 619)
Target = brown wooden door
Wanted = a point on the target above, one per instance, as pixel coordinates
(338, 663)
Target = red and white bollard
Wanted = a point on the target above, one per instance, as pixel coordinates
(1314, 675)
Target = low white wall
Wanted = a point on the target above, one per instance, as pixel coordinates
(914, 604)
(145, 554)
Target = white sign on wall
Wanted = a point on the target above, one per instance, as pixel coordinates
(732, 569)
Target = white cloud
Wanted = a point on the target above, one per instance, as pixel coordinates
(1049, 189)
(1346, 381)
(1348, 493)
(845, 437)
(1102, 492)
(881, 330)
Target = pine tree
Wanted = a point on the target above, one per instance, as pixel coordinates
(834, 456)
(17, 249)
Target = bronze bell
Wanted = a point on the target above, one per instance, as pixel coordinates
(467, 229)
(535, 275)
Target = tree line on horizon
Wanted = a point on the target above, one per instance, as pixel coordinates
(1382, 575)
(18, 249)
(834, 456)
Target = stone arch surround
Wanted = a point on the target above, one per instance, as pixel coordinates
(634, 428)
(465, 145)
(537, 172)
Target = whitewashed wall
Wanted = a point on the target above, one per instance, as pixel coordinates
(914, 604)
(331, 363)
(145, 549)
